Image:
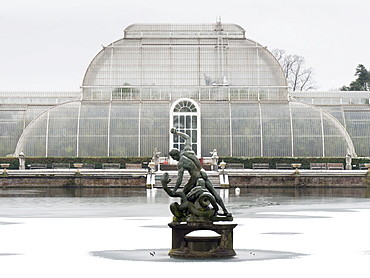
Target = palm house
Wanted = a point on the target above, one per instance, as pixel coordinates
(226, 91)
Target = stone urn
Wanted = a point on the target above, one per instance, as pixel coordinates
(367, 165)
(296, 166)
(4, 166)
(77, 166)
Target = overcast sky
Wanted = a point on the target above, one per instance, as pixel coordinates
(47, 44)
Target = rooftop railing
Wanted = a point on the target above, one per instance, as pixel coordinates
(209, 93)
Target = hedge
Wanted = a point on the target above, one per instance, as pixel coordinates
(97, 161)
(304, 161)
(247, 161)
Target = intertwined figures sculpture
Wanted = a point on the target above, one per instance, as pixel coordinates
(199, 199)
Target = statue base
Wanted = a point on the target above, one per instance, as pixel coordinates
(202, 240)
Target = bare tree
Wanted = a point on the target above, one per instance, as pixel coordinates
(299, 77)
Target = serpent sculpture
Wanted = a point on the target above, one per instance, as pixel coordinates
(199, 199)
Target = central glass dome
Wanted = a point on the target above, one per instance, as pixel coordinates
(168, 57)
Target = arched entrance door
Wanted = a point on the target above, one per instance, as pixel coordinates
(185, 117)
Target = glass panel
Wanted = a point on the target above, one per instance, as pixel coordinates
(188, 122)
(194, 136)
(176, 121)
(182, 123)
(154, 127)
(215, 128)
(194, 123)
(194, 147)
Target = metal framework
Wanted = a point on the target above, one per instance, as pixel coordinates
(227, 91)
(117, 128)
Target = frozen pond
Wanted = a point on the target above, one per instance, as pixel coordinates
(111, 233)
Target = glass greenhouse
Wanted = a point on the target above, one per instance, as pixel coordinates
(226, 91)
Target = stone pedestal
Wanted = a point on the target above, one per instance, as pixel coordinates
(216, 243)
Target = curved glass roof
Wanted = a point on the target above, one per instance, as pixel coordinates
(171, 56)
(233, 128)
(18, 109)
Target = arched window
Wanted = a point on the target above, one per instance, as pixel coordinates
(185, 118)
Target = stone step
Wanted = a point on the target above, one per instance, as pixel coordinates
(173, 176)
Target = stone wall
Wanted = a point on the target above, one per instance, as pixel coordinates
(300, 181)
(72, 181)
(242, 179)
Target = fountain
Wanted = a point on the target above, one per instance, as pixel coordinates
(198, 228)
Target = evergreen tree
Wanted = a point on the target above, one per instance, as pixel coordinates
(362, 83)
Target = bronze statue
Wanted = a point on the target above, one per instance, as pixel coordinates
(198, 192)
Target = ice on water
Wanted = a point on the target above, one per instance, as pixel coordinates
(113, 236)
